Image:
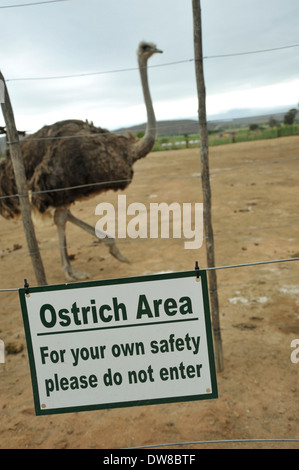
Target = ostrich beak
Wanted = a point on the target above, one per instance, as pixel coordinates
(157, 51)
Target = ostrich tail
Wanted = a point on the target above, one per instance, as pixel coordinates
(45, 219)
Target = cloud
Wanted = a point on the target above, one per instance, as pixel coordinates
(282, 94)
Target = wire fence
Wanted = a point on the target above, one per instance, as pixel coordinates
(220, 441)
(131, 69)
(215, 172)
(242, 265)
(19, 5)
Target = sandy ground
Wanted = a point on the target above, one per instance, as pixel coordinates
(255, 218)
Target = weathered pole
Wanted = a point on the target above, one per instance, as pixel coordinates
(205, 178)
(21, 182)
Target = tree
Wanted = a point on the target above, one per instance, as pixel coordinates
(289, 117)
(273, 122)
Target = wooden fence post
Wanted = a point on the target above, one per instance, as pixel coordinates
(205, 178)
(21, 182)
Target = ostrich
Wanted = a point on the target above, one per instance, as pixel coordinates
(94, 155)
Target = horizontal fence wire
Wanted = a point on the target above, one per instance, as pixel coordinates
(220, 286)
(257, 263)
(220, 441)
(32, 4)
(197, 175)
(243, 265)
(130, 69)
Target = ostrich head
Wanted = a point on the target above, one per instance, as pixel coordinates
(146, 50)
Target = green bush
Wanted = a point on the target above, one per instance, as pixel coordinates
(229, 136)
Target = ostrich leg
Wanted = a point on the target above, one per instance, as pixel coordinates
(71, 274)
(109, 241)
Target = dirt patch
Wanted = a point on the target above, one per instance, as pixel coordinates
(255, 218)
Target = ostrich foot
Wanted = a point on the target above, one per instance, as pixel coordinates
(114, 251)
(72, 274)
(106, 239)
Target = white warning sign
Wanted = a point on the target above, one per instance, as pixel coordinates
(119, 342)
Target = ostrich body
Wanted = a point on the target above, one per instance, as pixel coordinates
(53, 161)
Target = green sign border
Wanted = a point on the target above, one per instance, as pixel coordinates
(108, 282)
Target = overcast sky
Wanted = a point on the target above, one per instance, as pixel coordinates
(85, 36)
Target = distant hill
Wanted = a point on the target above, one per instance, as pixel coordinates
(190, 126)
(183, 126)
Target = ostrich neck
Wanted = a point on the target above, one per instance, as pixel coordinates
(145, 145)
